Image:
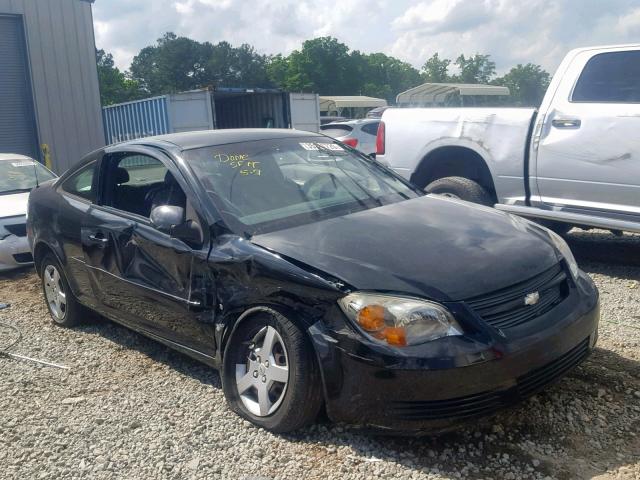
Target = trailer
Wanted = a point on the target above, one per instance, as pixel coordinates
(210, 109)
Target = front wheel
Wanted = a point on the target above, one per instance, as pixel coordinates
(461, 188)
(270, 376)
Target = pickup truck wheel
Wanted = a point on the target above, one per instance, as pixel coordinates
(462, 188)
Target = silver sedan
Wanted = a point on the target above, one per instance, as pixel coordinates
(18, 175)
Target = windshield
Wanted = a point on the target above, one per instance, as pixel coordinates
(20, 175)
(269, 185)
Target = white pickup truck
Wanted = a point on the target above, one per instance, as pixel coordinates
(574, 161)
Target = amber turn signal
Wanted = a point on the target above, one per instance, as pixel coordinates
(371, 318)
(396, 336)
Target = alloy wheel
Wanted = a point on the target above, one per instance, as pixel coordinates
(262, 379)
(54, 292)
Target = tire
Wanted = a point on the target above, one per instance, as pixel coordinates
(290, 406)
(462, 188)
(64, 309)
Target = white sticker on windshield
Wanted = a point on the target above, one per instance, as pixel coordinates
(22, 164)
(324, 146)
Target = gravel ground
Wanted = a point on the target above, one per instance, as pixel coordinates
(130, 408)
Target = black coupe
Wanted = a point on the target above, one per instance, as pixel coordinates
(310, 275)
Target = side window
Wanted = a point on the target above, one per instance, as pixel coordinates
(80, 183)
(610, 78)
(139, 183)
(371, 128)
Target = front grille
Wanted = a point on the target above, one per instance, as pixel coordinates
(18, 229)
(533, 381)
(23, 257)
(488, 402)
(461, 407)
(506, 308)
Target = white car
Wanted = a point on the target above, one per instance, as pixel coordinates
(18, 175)
(359, 134)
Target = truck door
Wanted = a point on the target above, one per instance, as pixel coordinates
(589, 149)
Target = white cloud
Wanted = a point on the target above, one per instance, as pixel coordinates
(511, 31)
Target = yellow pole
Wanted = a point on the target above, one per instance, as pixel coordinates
(46, 153)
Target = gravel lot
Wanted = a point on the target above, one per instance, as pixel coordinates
(130, 408)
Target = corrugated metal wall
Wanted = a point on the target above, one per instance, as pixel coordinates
(17, 118)
(61, 53)
(144, 118)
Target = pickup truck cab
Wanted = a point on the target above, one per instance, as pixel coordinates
(573, 161)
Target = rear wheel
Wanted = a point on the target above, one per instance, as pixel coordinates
(461, 188)
(270, 376)
(63, 307)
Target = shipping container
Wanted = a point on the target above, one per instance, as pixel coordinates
(211, 109)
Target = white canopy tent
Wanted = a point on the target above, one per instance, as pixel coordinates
(436, 93)
(338, 103)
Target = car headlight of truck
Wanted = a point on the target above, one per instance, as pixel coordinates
(4, 233)
(399, 321)
(565, 251)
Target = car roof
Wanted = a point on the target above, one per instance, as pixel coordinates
(13, 156)
(360, 121)
(209, 138)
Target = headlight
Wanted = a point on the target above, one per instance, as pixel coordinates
(564, 249)
(4, 233)
(399, 321)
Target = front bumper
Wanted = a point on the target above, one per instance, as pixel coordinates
(454, 379)
(15, 252)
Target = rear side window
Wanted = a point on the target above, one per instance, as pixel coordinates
(610, 78)
(81, 183)
(336, 130)
(371, 128)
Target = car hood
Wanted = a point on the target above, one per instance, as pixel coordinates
(13, 205)
(430, 246)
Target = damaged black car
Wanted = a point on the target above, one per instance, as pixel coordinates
(312, 277)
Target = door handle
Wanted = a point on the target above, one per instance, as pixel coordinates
(98, 240)
(566, 123)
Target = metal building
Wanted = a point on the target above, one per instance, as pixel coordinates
(49, 93)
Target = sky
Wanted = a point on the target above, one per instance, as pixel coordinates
(511, 31)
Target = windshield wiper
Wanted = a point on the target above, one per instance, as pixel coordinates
(15, 190)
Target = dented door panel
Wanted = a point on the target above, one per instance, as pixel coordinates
(145, 278)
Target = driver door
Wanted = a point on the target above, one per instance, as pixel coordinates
(141, 276)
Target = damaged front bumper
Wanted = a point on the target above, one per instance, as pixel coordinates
(435, 386)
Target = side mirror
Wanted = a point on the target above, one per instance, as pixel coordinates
(166, 217)
(170, 219)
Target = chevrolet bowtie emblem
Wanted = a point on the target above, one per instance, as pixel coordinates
(532, 298)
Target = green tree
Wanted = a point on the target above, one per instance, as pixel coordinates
(527, 84)
(475, 69)
(436, 70)
(385, 76)
(326, 66)
(322, 65)
(176, 64)
(115, 87)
